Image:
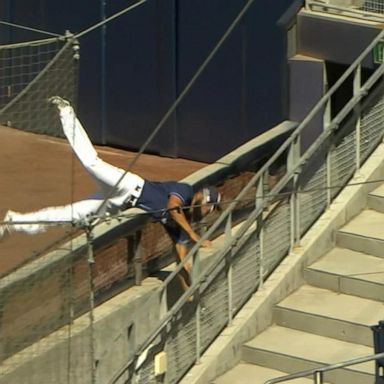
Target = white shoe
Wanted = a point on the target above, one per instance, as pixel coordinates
(5, 228)
(59, 101)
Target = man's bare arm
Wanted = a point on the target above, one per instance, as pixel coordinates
(174, 205)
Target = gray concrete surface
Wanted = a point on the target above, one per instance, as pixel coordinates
(64, 355)
(292, 351)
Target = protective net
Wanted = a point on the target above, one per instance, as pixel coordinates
(39, 300)
(30, 73)
(373, 6)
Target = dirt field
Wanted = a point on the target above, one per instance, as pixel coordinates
(37, 171)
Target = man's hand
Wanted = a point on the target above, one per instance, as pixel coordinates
(174, 205)
(205, 243)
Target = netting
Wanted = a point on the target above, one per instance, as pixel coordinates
(42, 303)
(373, 6)
(32, 72)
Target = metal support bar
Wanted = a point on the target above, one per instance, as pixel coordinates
(357, 111)
(228, 239)
(326, 123)
(195, 278)
(137, 261)
(295, 214)
(260, 231)
(318, 377)
(91, 263)
(292, 162)
(327, 368)
(260, 201)
(198, 331)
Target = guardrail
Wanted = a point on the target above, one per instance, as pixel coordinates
(250, 251)
(370, 10)
(318, 373)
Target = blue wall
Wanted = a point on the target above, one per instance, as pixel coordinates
(132, 70)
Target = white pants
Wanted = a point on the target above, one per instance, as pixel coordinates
(115, 184)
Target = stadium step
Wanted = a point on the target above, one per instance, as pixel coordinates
(327, 320)
(376, 199)
(327, 313)
(364, 233)
(291, 350)
(349, 272)
(249, 373)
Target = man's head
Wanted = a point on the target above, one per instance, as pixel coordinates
(211, 199)
(205, 201)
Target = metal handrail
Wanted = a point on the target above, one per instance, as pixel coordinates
(345, 11)
(316, 109)
(318, 372)
(259, 175)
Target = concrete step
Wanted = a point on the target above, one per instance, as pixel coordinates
(253, 374)
(327, 313)
(376, 199)
(349, 272)
(365, 233)
(291, 351)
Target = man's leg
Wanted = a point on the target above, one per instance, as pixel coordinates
(107, 175)
(184, 275)
(38, 221)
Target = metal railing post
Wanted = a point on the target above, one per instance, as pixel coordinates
(198, 332)
(91, 264)
(327, 118)
(163, 302)
(260, 200)
(228, 239)
(318, 377)
(357, 111)
(295, 214)
(318, 373)
(196, 277)
(292, 161)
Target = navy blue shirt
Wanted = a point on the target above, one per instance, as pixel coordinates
(154, 198)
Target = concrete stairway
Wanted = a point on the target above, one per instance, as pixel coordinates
(328, 319)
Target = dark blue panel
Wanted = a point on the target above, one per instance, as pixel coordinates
(210, 117)
(5, 14)
(266, 66)
(306, 89)
(140, 75)
(241, 93)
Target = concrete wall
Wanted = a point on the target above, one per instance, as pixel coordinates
(306, 87)
(334, 39)
(118, 327)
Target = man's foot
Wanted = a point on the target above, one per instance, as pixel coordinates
(5, 228)
(59, 101)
